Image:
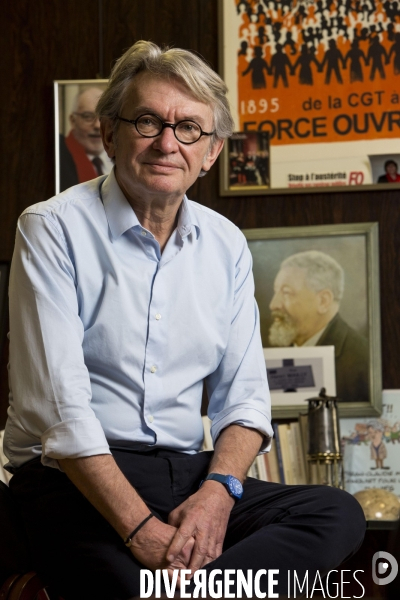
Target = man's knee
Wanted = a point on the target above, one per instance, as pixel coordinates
(346, 517)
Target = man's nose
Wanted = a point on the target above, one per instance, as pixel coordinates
(96, 123)
(276, 302)
(166, 141)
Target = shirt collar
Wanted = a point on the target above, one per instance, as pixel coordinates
(121, 216)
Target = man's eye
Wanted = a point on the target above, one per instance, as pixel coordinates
(147, 121)
(188, 127)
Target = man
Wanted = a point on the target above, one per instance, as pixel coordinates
(82, 155)
(305, 311)
(125, 297)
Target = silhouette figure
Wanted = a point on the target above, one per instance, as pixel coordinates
(262, 36)
(245, 4)
(290, 42)
(377, 54)
(332, 58)
(260, 12)
(257, 66)
(243, 48)
(305, 59)
(395, 50)
(279, 64)
(355, 54)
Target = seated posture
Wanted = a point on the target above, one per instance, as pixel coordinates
(125, 297)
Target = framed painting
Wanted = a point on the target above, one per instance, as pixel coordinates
(319, 286)
(79, 152)
(322, 81)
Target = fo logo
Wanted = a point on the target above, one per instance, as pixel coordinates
(381, 561)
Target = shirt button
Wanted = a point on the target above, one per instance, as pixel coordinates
(158, 316)
(151, 418)
(144, 232)
(153, 369)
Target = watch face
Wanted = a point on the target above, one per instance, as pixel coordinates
(235, 487)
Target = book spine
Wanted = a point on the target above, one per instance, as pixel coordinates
(272, 458)
(262, 472)
(279, 453)
(299, 456)
(284, 433)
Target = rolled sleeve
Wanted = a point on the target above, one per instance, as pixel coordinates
(75, 438)
(238, 390)
(50, 385)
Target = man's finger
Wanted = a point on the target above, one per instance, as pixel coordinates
(203, 552)
(178, 541)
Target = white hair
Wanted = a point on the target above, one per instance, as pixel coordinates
(322, 271)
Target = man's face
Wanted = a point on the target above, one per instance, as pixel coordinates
(160, 166)
(391, 169)
(294, 308)
(87, 132)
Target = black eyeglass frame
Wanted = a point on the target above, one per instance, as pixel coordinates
(165, 124)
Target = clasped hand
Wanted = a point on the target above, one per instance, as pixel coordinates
(194, 535)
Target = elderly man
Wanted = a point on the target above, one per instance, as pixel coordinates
(82, 155)
(305, 311)
(125, 298)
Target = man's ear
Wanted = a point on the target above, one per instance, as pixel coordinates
(212, 155)
(108, 136)
(325, 301)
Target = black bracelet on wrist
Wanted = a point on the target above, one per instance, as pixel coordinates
(128, 540)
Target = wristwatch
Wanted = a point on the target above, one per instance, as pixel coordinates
(232, 485)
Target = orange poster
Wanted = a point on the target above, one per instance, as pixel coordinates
(322, 78)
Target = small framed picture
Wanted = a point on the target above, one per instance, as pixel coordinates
(245, 164)
(298, 374)
(371, 449)
(79, 151)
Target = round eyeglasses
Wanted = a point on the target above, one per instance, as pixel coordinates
(150, 126)
(88, 117)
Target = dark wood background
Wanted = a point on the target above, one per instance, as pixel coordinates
(60, 39)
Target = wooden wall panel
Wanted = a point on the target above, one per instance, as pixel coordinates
(43, 41)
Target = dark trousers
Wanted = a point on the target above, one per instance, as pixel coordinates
(301, 528)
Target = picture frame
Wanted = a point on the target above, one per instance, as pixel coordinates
(76, 140)
(245, 163)
(366, 466)
(316, 365)
(354, 327)
(4, 276)
(321, 82)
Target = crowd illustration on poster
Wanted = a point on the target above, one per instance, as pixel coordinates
(322, 36)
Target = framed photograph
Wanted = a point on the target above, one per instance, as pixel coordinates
(298, 374)
(321, 81)
(371, 448)
(319, 286)
(79, 152)
(245, 161)
(4, 273)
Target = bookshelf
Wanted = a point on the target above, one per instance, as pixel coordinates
(286, 461)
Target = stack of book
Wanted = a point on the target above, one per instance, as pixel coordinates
(286, 461)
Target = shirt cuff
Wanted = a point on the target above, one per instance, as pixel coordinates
(250, 417)
(74, 438)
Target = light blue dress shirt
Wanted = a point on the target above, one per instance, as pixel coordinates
(110, 340)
